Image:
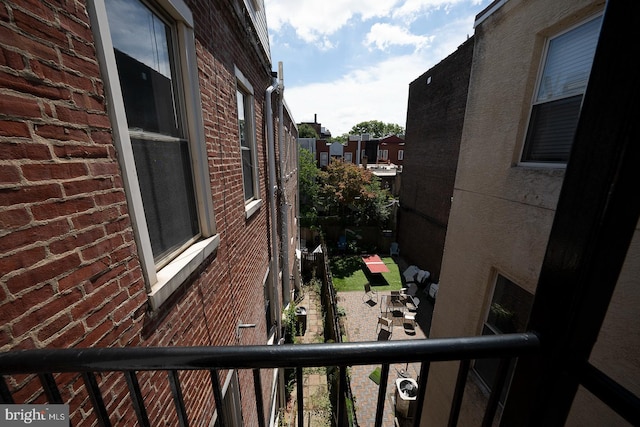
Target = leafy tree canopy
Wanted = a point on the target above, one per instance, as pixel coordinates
(308, 185)
(305, 130)
(353, 193)
(377, 129)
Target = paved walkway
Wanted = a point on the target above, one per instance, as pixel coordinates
(361, 324)
(315, 389)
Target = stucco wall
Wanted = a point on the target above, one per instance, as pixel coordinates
(501, 211)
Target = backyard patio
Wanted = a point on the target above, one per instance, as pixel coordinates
(362, 312)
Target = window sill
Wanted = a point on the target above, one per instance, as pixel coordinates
(251, 207)
(177, 271)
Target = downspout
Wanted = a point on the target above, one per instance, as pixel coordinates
(284, 211)
(273, 185)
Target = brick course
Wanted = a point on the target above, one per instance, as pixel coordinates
(69, 269)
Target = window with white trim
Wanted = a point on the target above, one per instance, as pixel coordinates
(324, 158)
(247, 138)
(383, 154)
(348, 157)
(560, 89)
(232, 406)
(147, 56)
(508, 313)
(400, 154)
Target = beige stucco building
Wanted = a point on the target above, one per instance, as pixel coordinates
(504, 203)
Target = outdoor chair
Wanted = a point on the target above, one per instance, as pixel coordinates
(395, 249)
(369, 294)
(384, 328)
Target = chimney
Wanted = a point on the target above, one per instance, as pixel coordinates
(315, 118)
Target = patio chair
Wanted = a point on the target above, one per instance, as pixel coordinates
(384, 328)
(342, 243)
(369, 294)
(395, 249)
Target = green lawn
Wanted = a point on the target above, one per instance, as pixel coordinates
(348, 274)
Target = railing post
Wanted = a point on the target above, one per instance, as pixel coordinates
(382, 391)
(257, 386)
(5, 394)
(300, 397)
(217, 396)
(176, 391)
(422, 391)
(96, 399)
(456, 404)
(136, 398)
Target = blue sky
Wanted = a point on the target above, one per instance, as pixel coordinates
(351, 61)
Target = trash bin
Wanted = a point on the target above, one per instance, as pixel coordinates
(406, 395)
(301, 320)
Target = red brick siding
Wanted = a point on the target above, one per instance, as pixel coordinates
(70, 274)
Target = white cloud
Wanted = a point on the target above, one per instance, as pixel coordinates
(312, 19)
(376, 92)
(383, 35)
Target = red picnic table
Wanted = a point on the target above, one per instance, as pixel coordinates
(375, 264)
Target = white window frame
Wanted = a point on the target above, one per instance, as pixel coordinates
(400, 154)
(161, 282)
(348, 157)
(383, 154)
(230, 401)
(243, 85)
(535, 102)
(324, 158)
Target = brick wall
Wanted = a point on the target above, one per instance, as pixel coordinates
(435, 115)
(69, 269)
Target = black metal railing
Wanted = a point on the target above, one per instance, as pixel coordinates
(47, 362)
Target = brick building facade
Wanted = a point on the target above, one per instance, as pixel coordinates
(435, 116)
(82, 259)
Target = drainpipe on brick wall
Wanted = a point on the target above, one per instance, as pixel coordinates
(284, 211)
(273, 186)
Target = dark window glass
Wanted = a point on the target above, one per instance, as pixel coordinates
(508, 313)
(551, 130)
(556, 108)
(144, 52)
(246, 144)
(167, 193)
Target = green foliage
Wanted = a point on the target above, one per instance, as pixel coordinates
(377, 128)
(305, 130)
(308, 186)
(354, 194)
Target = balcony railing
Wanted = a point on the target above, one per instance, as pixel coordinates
(87, 362)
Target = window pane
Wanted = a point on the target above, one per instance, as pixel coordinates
(164, 175)
(246, 144)
(555, 113)
(142, 45)
(568, 62)
(551, 130)
(510, 307)
(508, 313)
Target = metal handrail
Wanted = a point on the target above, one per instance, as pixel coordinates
(265, 356)
(129, 360)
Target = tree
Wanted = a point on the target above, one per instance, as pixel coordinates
(308, 186)
(377, 129)
(305, 130)
(353, 193)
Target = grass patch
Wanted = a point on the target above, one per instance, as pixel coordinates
(348, 274)
(375, 375)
